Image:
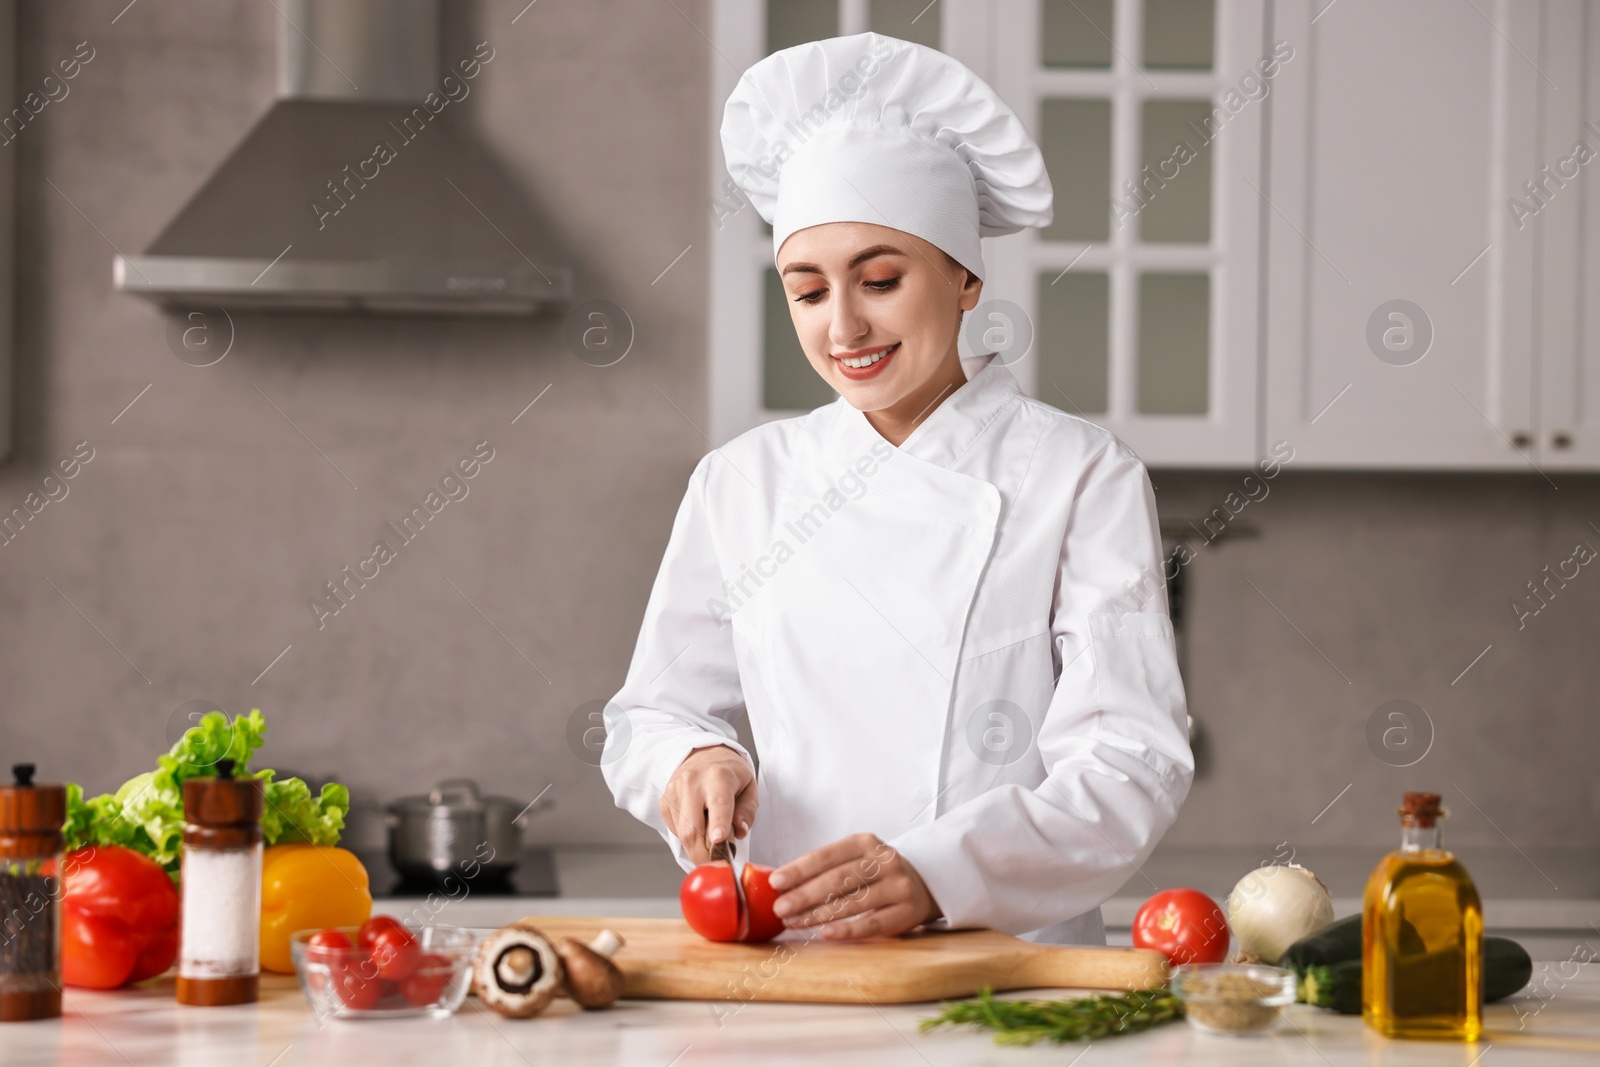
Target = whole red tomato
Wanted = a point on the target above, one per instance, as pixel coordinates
(711, 905)
(119, 918)
(1185, 925)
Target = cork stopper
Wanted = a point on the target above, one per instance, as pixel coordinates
(222, 811)
(1421, 810)
(30, 815)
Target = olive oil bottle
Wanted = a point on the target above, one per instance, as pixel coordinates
(1422, 936)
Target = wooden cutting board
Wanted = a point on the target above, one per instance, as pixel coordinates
(665, 960)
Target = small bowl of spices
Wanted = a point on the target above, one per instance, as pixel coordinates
(1233, 998)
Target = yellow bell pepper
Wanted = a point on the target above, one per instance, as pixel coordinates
(308, 887)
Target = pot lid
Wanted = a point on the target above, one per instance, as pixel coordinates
(451, 797)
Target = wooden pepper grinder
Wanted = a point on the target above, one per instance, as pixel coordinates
(219, 960)
(30, 897)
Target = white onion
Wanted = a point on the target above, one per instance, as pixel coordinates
(1273, 907)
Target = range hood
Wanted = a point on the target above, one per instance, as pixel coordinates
(359, 190)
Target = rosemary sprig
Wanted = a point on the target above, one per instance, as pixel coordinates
(1022, 1022)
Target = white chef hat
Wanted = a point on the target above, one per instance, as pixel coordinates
(874, 129)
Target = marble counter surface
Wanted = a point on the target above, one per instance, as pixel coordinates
(1555, 1021)
(145, 1027)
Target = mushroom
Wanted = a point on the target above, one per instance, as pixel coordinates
(517, 972)
(592, 979)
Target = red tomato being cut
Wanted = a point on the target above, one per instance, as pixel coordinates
(1184, 925)
(711, 905)
(759, 897)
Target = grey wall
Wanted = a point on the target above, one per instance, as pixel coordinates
(205, 520)
(191, 541)
(1362, 589)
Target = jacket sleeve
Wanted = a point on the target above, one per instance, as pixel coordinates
(683, 682)
(1114, 739)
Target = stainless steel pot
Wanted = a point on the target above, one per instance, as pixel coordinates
(456, 828)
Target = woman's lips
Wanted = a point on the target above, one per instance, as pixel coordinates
(860, 374)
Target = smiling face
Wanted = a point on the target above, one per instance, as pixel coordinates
(877, 312)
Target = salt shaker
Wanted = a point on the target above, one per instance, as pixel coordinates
(30, 897)
(219, 958)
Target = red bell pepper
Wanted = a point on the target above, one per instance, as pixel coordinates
(119, 918)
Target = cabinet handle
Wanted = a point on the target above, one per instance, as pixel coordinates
(1561, 439)
(1521, 439)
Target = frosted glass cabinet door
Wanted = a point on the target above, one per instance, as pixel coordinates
(1145, 290)
(1400, 305)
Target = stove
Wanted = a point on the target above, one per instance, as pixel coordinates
(533, 876)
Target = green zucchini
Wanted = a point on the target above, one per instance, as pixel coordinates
(1506, 969)
(1339, 942)
(1336, 986)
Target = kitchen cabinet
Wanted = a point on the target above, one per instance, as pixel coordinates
(1381, 247)
(1424, 294)
(1568, 383)
(1143, 294)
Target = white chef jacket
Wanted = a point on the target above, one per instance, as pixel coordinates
(961, 645)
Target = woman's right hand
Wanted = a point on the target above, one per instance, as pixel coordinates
(710, 798)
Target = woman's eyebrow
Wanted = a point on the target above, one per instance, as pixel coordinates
(872, 253)
(855, 260)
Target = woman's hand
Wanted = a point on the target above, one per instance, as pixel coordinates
(856, 887)
(711, 795)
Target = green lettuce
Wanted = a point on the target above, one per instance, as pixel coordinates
(292, 814)
(146, 813)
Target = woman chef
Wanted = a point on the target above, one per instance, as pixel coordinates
(940, 601)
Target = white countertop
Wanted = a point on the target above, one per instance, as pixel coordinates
(145, 1026)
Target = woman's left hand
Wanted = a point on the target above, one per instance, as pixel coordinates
(856, 887)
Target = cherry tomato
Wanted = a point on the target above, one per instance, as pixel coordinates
(1185, 925)
(711, 905)
(355, 985)
(369, 929)
(426, 986)
(759, 896)
(395, 951)
(327, 944)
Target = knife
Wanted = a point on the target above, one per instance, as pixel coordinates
(723, 851)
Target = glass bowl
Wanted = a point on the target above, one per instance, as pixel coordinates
(1233, 998)
(344, 982)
